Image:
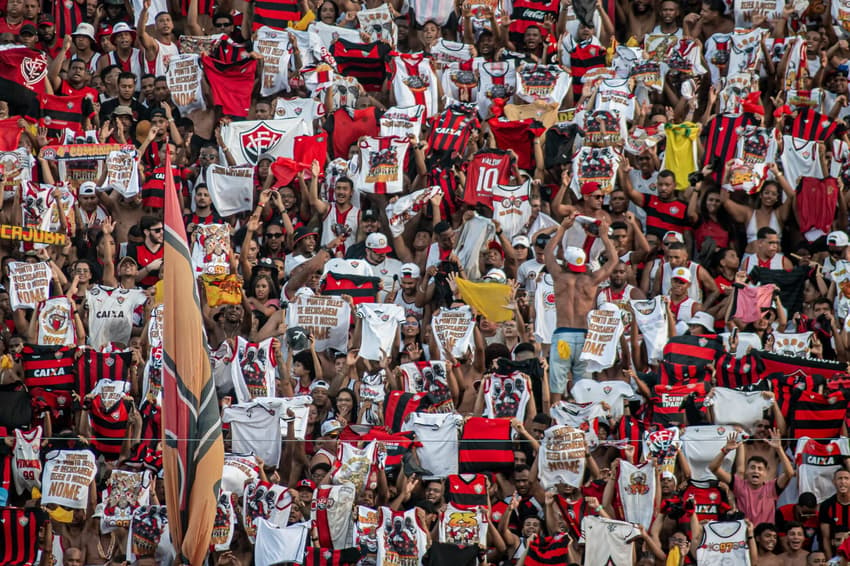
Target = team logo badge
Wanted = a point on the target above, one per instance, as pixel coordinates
(258, 140)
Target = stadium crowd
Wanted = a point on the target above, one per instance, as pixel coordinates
(525, 282)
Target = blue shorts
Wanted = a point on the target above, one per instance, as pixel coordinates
(564, 358)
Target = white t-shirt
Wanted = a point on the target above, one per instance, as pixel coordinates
(607, 542)
(113, 312)
(280, 544)
(255, 428)
(438, 433)
(379, 329)
(611, 392)
(526, 275)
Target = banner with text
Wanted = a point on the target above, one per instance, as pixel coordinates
(326, 318)
(67, 476)
(29, 284)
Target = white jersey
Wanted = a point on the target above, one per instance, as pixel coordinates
(505, 396)
(546, 316)
(26, 465)
(113, 312)
(615, 95)
(562, 457)
(734, 407)
(56, 322)
(445, 53)
(460, 84)
(386, 271)
(308, 109)
(135, 63)
(817, 462)
(511, 207)
(401, 540)
(410, 308)
(438, 433)
(749, 261)
(415, 82)
(684, 314)
(276, 545)
(95, 218)
(464, 527)
(253, 369)
(611, 392)
(164, 54)
(402, 122)
(576, 414)
(700, 444)
(336, 223)
(694, 290)
(607, 542)
(724, 543)
(526, 275)
(381, 165)
(255, 428)
(545, 83)
(636, 486)
(379, 328)
(800, 158)
(495, 80)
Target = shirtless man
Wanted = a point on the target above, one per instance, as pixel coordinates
(766, 539)
(575, 290)
(796, 554)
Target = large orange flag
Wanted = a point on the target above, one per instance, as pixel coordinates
(193, 451)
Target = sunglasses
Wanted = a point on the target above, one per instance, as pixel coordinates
(156, 230)
(274, 235)
(222, 24)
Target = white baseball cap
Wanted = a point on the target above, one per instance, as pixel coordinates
(87, 188)
(331, 426)
(496, 275)
(410, 270)
(521, 240)
(682, 273)
(576, 259)
(672, 236)
(838, 238)
(378, 243)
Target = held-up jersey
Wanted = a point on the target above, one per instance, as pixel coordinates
(112, 314)
(381, 167)
(253, 369)
(414, 82)
(487, 169)
(511, 207)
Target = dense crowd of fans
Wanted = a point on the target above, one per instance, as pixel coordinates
(483, 282)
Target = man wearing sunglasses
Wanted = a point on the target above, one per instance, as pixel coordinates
(148, 255)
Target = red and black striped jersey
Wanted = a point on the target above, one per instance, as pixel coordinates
(810, 125)
(92, 366)
(710, 502)
(64, 112)
(833, 512)
(670, 373)
(466, 490)
(275, 13)
(450, 130)
(486, 446)
(108, 426)
(735, 373)
(400, 404)
(693, 350)
(548, 551)
(19, 536)
(49, 367)
(663, 217)
(721, 143)
(817, 415)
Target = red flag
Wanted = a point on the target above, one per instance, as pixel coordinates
(24, 66)
(285, 170)
(193, 453)
(10, 134)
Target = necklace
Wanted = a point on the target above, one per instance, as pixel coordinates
(108, 553)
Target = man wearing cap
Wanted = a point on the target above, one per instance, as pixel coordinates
(377, 256)
(127, 57)
(521, 245)
(369, 224)
(84, 44)
(682, 306)
(47, 40)
(92, 213)
(29, 36)
(702, 288)
(836, 251)
(575, 295)
(409, 297)
(327, 444)
(304, 247)
(767, 253)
